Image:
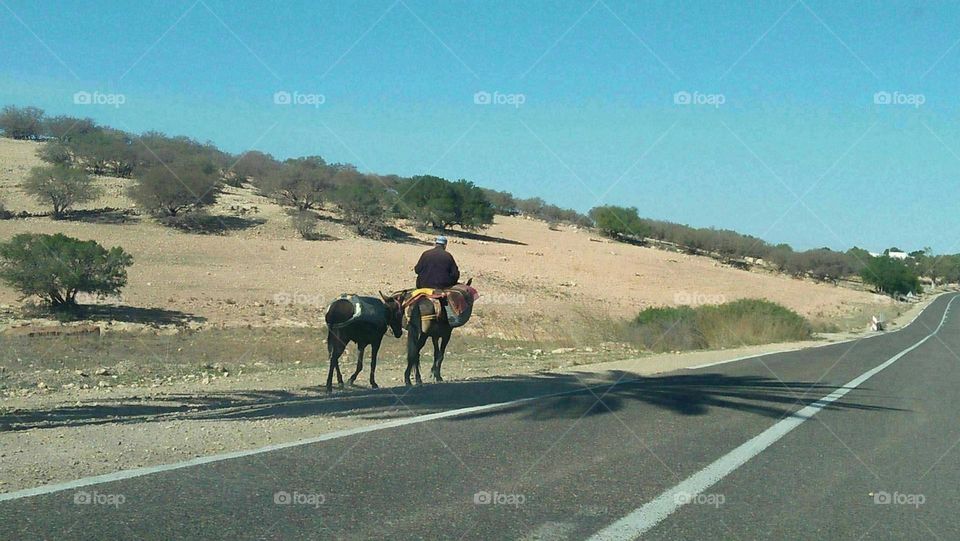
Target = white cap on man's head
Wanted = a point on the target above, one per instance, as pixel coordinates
(441, 240)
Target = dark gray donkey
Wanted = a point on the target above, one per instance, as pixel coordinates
(363, 320)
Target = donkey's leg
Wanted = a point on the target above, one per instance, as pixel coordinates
(413, 354)
(335, 347)
(444, 340)
(360, 348)
(374, 348)
(435, 369)
(419, 345)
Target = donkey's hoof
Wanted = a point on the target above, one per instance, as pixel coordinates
(374, 385)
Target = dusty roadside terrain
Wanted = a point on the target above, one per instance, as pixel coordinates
(537, 283)
(59, 436)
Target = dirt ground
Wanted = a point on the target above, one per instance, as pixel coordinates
(535, 282)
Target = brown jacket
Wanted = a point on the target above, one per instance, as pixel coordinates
(436, 269)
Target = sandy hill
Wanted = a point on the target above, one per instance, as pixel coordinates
(537, 282)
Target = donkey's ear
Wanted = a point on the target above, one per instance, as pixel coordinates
(470, 281)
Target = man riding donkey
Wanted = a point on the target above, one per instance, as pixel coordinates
(436, 268)
(433, 309)
(437, 306)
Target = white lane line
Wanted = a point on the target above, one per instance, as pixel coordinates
(652, 513)
(754, 356)
(138, 472)
(148, 470)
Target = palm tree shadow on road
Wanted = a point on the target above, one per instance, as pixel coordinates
(561, 396)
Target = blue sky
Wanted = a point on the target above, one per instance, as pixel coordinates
(784, 138)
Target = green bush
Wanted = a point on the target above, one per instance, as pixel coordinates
(891, 276)
(57, 267)
(361, 203)
(254, 165)
(439, 203)
(21, 122)
(302, 183)
(305, 222)
(65, 128)
(739, 323)
(55, 153)
(668, 329)
(619, 222)
(103, 151)
(168, 190)
(60, 186)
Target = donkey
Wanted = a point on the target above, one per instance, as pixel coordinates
(342, 331)
(439, 332)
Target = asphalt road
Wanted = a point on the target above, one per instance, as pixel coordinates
(762, 454)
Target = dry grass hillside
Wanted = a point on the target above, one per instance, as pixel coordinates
(536, 282)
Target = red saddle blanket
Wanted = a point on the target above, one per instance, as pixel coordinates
(456, 301)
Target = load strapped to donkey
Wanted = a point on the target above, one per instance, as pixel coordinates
(365, 309)
(454, 305)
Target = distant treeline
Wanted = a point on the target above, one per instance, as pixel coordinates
(176, 177)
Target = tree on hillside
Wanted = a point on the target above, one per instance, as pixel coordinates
(618, 222)
(531, 207)
(475, 210)
(66, 128)
(300, 182)
(824, 264)
(362, 205)
(859, 258)
(503, 203)
(57, 267)
(55, 153)
(21, 122)
(254, 166)
(439, 203)
(779, 257)
(60, 186)
(154, 148)
(891, 276)
(170, 189)
(930, 265)
(105, 151)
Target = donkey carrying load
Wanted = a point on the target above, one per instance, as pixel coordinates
(433, 313)
(363, 320)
